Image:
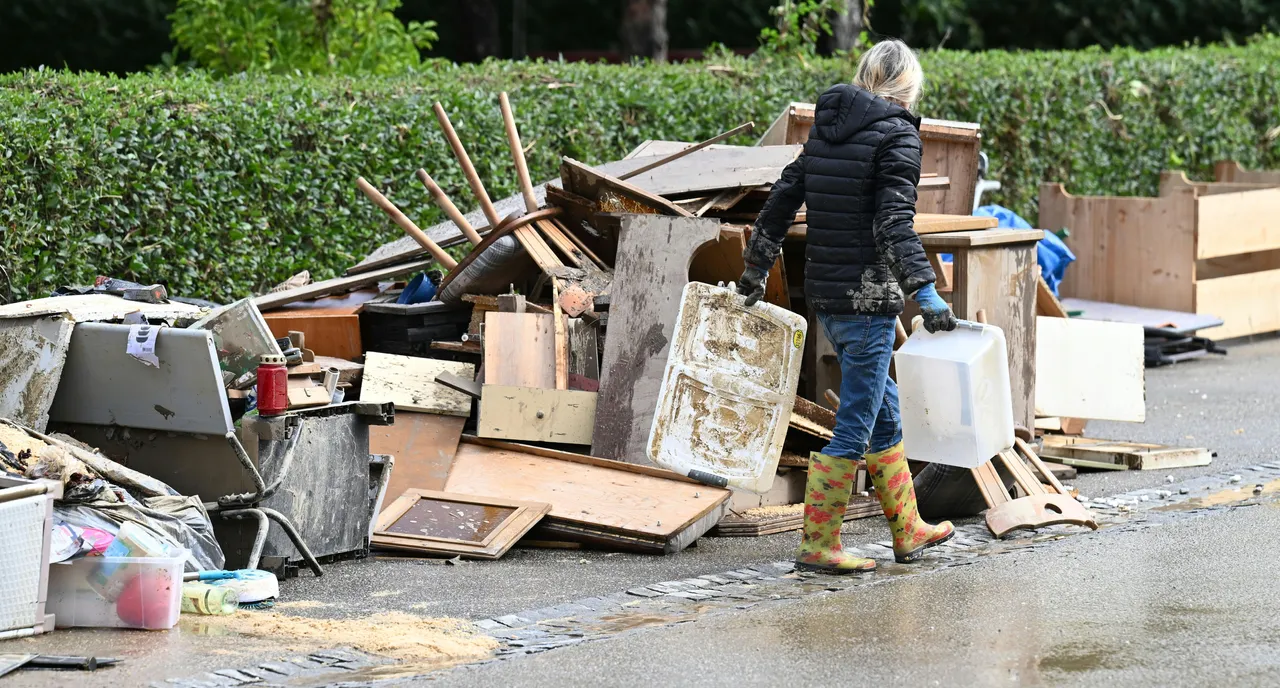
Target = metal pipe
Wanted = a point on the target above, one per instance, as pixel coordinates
(295, 538)
(259, 539)
(259, 485)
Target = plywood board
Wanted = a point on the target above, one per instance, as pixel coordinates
(423, 445)
(1133, 250)
(33, 352)
(1240, 222)
(519, 350)
(562, 416)
(712, 169)
(410, 383)
(336, 335)
(599, 497)
(652, 268)
(932, 223)
(589, 183)
(1090, 369)
(103, 385)
(1247, 303)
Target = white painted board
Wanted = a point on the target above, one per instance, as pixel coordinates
(728, 388)
(1090, 369)
(410, 383)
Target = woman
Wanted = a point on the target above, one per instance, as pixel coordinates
(857, 178)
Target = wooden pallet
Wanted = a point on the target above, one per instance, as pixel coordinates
(780, 519)
(1087, 452)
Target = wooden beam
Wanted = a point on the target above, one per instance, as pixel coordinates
(406, 224)
(740, 129)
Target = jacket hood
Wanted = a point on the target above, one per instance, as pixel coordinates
(845, 109)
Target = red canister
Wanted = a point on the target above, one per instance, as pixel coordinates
(273, 385)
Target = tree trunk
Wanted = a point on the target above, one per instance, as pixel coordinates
(847, 25)
(644, 29)
(480, 22)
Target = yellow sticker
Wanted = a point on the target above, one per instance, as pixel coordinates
(797, 339)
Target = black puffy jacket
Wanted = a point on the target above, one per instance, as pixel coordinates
(857, 178)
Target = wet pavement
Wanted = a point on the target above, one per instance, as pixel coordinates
(1028, 616)
(1188, 602)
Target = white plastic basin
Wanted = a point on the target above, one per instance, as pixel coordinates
(953, 388)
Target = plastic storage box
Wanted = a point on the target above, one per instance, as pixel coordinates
(728, 389)
(26, 512)
(953, 388)
(117, 592)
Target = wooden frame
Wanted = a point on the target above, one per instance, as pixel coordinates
(950, 149)
(496, 543)
(1199, 247)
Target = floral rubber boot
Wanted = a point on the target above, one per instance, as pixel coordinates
(827, 493)
(892, 478)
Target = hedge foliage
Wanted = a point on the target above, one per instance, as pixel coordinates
(220, 188)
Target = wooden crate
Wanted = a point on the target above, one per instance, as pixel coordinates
(1199, 247)
(950, 149)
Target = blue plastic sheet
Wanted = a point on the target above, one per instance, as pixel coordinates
(1052, 255)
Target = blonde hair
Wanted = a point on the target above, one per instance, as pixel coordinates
(890, 70)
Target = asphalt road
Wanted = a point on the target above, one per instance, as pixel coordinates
(1189, 603)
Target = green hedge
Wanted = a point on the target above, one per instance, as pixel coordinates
(220, 188)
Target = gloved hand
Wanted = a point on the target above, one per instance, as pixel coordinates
(937, 314)
(752, 284)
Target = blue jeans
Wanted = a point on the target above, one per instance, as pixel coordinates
(868, 412)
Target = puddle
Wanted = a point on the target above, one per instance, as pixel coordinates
(1079, 658)
(384, 672)
(1236, 495)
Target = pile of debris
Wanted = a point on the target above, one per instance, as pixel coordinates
(514, 394)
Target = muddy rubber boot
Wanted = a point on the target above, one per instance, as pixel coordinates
(892, 478)
(826, 496)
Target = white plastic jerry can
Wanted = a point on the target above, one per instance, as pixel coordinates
(953, 389)
(728, 389)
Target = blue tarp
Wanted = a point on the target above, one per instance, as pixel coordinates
(1052, 255)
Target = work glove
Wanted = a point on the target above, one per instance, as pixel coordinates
(752, 284)
(937, 314)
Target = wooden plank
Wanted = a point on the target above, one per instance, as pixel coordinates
(676, 155)
(814, 413)
(561, 416)
(402, 524)
(1240, 222)
(410, 383)
(467, 386)
(584, 349)
(574, 457)
(770, 520)
(715, 169)
(423, 445)
(1132, 250)
(654, 254)
(560, 341)
(932, 223)
(327, 334)
(1172, 181)
(596, 498)
(584, 181)
(980, 237)
(1126, 455)
(1000, 279)
(338, 285)
(1246, 303)
(1090, 369)
(519, 350)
